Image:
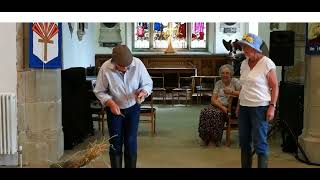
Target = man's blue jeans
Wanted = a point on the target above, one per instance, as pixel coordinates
(126, 129)
(253, 126)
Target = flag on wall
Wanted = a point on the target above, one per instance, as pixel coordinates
(45, 45)
(313, 39)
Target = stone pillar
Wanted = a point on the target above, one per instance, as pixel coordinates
(39, 109)
(310, 137)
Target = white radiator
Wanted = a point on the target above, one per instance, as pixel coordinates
(8, 124)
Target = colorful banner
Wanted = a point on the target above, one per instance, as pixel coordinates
(313, 39)
(45, 45)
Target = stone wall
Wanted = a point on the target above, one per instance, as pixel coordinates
(310, 138)
(39, 108)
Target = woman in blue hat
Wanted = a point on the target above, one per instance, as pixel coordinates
(257, 99)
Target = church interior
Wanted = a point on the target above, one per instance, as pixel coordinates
(50, 114)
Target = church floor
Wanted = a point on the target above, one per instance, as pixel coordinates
(177, 145)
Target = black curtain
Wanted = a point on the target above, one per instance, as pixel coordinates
(76, 117)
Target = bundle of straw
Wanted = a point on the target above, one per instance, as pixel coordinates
(82, 158)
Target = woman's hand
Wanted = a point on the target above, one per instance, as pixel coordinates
(270, 113)
(225, 109)
(227, 90)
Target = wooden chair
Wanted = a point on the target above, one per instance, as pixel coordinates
(147, 109)
(96, 109)
(183, 90)
(232, 121)
(158, 88)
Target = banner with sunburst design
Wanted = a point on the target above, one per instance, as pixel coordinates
(45, 45)
(313, 39)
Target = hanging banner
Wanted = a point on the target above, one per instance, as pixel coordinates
(313, 39)
(45, 45)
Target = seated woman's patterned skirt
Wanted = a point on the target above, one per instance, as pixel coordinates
(211, 124)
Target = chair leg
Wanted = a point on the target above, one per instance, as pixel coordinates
(151, 124)
(228, 133)
(197, 98)
(102, 124)
(154, 123)
(187, 98)
(172, 97)
(99, 122)
(164, 97)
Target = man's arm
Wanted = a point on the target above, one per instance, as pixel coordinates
(101, 88)
(146, 82)
(100, 91)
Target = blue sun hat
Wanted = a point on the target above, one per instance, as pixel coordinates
(251, 40)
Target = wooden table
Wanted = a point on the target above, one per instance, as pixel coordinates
(184, 91)
(199, 89)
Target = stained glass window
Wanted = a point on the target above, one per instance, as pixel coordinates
(142, 35)
(179, 35)
(155, 36)
(198, 35)
(160, 34)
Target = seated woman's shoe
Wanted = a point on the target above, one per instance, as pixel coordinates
(205, 143)
(218, 143)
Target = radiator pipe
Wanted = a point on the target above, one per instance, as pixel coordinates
(20, 156)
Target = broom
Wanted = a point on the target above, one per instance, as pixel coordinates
(84, 157)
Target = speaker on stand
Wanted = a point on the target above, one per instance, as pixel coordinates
(282, 49)
(282, 54)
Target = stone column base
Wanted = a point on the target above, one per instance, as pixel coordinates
(311, 147)
(40, 149)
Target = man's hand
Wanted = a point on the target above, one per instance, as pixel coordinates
(140, 96)
(114, 107)
(142, 93)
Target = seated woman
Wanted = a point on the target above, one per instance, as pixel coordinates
(213, 117)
